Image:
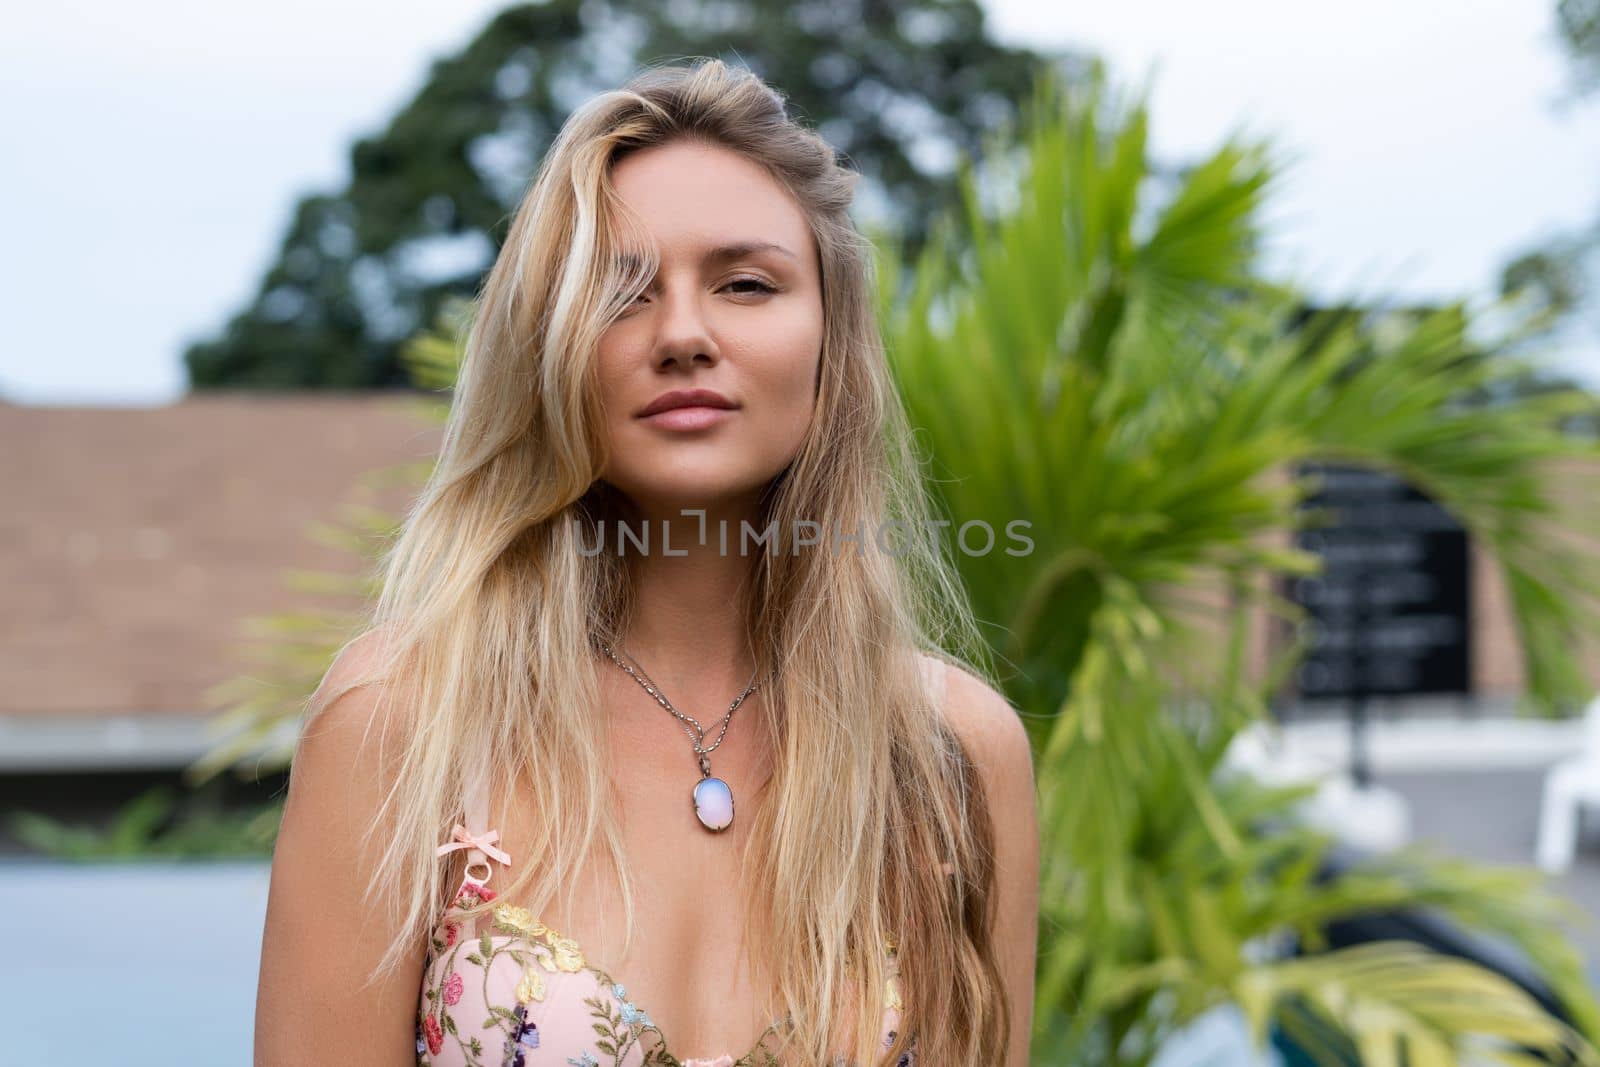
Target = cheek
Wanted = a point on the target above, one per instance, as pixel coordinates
(610, 380)
(803, 360)
(791, 394)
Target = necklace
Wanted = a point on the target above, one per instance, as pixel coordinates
(712, 799)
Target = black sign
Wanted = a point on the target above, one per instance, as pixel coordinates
(1390, 611)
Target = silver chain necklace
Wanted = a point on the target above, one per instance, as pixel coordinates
(712, 799)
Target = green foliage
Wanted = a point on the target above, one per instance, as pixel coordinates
(1108, 367)
(901, 86)
(1401, 1004)
(1557, 276)
(158, 823)
(1578, 27)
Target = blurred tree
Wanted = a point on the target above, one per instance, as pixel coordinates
(1579, 24)
(903, 87)
(1558, 277)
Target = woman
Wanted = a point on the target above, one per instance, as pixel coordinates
(813, 818)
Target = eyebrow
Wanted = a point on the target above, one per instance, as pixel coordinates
(740, 249)
(725, 252)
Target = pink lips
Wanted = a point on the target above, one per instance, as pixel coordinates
(687, 409)
(690, 418)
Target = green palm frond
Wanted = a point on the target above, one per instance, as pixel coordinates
(1405, 1005)
(433, 358)
(1108, 367)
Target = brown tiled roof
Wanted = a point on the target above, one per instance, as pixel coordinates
(134, 541)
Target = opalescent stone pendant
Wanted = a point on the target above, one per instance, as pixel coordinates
(713, 803)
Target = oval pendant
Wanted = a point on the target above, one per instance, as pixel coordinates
(713, 803)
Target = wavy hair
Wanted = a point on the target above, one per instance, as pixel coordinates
(488, 611)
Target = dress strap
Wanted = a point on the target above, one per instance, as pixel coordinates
(475, 835)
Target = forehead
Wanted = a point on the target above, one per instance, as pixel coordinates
(691, 197)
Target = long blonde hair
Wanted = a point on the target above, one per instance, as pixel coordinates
(873, 828)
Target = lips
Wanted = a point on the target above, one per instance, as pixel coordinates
(686, 398)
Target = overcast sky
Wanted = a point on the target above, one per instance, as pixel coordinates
(155, 150)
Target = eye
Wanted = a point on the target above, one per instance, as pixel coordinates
(761, 288)
(761, 285)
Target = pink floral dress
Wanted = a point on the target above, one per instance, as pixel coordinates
(520, 994)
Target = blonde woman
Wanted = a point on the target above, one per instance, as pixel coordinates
(655, 751)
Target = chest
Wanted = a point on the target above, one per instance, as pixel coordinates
(687, 964)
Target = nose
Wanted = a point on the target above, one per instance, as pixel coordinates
(683, 336)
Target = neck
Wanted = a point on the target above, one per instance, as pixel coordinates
(688, 629)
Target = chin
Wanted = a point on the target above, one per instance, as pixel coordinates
(673, 494)
(677, 491)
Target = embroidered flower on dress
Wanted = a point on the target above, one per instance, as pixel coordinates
(519, 919)
(907, 1059)
(567, 956)
(546, 950)
(525, 1036)
(631, 1015)
(531, 987)
(472, 893)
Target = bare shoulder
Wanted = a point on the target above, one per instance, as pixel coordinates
(322, 938)
(356, 659)
(348, 755)
(350, 694)
(347, 746)
(345, 750)
(992, 733)
(988, 725)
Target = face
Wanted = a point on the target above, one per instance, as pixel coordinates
(735, 309)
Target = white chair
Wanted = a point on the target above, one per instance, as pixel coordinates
(1569, 787)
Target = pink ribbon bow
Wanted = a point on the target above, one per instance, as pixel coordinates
(485, 841)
